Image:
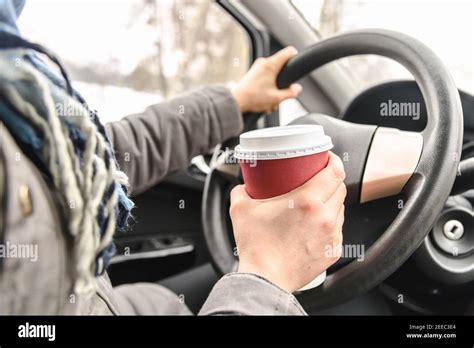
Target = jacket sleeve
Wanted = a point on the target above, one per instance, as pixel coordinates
(165, 137)
(249, 294)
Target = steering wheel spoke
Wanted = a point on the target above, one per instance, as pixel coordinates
(392, 159)
(378, 161)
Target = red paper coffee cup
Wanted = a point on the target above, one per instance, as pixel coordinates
(277, 160)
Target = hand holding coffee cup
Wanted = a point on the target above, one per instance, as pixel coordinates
(291, 207)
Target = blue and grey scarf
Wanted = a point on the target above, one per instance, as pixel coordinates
(64, 138)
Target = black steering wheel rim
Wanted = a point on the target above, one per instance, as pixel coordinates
(427, 189)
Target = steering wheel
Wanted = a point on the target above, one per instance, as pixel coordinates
(379, 162)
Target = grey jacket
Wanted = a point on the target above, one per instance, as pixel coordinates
(148, 146)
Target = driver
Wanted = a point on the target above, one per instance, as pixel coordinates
(66, 182)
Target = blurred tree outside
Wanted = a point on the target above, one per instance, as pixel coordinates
(196, 43)
(331, 13)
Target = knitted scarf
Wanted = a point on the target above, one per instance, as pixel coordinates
(71, 149)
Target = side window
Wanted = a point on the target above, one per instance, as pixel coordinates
(125, 55)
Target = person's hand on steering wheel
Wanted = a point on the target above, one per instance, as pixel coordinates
(257, 91)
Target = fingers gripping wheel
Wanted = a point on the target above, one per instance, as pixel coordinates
(427, 189)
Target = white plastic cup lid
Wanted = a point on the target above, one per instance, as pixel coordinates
(282, 142)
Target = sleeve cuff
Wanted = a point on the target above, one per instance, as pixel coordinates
(227, 111)
(249, 294)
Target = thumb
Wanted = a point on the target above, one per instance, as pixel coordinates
(290, 92)
(238, 193)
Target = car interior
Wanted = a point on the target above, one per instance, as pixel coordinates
(414, 224)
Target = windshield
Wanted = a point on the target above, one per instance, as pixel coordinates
(447, 27)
